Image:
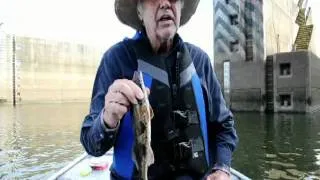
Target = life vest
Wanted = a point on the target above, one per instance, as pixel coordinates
(179, 128)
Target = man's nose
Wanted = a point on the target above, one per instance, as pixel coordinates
(165, 4)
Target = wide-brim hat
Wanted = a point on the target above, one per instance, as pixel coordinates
(126, 11)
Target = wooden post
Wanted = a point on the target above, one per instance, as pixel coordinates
(14, 69)
(278, 43)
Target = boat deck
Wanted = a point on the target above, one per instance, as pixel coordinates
(81, 164)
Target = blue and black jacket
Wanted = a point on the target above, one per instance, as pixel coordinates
(120, 62)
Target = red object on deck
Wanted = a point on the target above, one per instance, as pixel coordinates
(100, 167)
(98, 164)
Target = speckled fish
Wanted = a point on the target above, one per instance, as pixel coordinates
(142, 115)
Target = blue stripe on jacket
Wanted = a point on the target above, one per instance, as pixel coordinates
(202, 112)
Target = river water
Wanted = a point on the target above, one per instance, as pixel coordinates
(38, 139)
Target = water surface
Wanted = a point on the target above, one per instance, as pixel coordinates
(280, 146)
(36, 140)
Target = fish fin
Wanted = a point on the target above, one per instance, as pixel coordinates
(151, 112)
(150, 158)
(134, 158)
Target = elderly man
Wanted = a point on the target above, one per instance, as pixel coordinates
(193, 133)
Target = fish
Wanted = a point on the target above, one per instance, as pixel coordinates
(142, 154)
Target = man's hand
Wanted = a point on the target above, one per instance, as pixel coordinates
(120, 95)
(219, 175)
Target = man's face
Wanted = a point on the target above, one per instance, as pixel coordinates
(161, 18)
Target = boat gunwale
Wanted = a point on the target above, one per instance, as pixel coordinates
(62, 171)
(68, 167)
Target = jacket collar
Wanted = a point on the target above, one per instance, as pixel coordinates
(142, 36)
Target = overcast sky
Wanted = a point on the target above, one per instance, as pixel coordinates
(94, 22)
(90, 21)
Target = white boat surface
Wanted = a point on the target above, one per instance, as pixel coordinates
(73, 169)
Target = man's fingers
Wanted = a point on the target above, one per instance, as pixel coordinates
(117, 110)
(129, 89)
(219, 175)
(118, 97)
(121, 86)
(113, 113)
(136, 89)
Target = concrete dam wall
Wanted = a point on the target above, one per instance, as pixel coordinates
(37, 70)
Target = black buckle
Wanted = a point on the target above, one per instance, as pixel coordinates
(172, 134)
(197, 146)
(189, 149)
(183, 150)
(185, 118)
